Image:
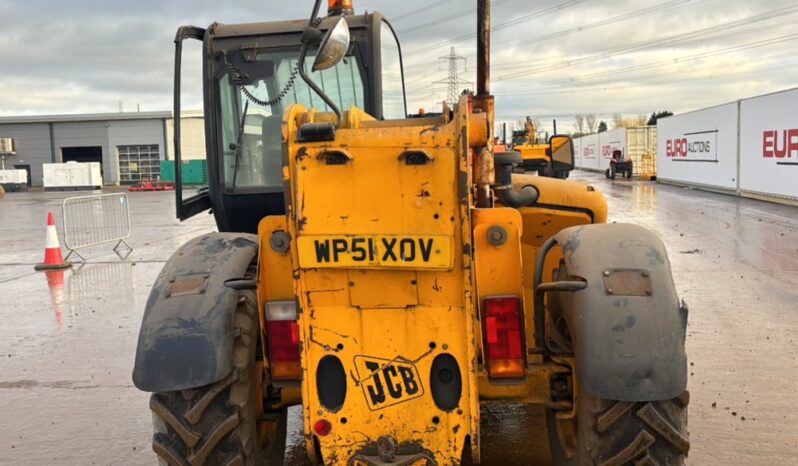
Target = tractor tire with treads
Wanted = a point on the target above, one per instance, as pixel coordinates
(217, 424)
(612, 433)
(617, 433)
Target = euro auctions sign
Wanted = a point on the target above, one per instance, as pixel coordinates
(781, 145)
(769, 145)
(700, 146)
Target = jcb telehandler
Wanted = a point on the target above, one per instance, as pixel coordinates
(536, 154)
(400, 275)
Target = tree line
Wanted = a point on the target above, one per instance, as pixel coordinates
(589, 124)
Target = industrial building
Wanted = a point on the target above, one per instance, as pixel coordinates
(128, 146)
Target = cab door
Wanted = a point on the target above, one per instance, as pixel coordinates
(391, 101)
(191, 165)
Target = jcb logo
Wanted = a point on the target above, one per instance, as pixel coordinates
(386, 383)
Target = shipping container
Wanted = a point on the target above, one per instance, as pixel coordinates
(769, 145)
(640, 144)
(641, 147)
(700, 148)
(590, 152)
(72, 176)
(195, 172)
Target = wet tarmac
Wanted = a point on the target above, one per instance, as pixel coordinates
(67, 342)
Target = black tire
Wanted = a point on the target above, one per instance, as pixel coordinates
(629, 173)
(612, 174)
(607, 173)
(614, 433)
(217, 424)
(617, 433)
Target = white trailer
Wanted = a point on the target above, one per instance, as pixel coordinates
(700, 148)
(639, 144)
(769, 146)
(72, 176)
(14, 180)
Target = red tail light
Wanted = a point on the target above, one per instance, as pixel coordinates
(322, 427)
(503, 331)
(282, 332)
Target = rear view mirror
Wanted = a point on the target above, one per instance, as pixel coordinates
(333, 47)
(561, 149)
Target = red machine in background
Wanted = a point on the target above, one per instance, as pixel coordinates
(619, 165)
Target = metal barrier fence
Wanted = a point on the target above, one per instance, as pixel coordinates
(93, 220)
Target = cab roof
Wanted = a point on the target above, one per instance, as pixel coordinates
(284, 27)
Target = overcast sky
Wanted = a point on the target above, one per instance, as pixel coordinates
(551, 58)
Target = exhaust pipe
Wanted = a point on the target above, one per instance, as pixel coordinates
(483, 47)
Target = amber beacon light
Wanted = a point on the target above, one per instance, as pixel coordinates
(340, 7)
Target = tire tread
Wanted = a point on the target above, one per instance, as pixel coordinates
(653, 419)
(213, 424)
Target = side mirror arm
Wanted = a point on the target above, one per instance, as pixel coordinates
(311, 36)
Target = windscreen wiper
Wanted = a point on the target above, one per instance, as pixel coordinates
(239, 142)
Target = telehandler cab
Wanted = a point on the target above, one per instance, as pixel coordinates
(536, 151)
(400, 275)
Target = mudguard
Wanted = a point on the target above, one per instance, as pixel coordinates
(186, 338)
(628, 324)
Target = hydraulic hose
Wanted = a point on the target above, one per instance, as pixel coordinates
(540, 302)
(517, 199)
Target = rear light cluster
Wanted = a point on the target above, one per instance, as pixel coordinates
(282, 332)
(503, 331)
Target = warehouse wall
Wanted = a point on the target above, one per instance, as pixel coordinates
(33, 147)
(136, 132)
(769, 145)
(32, 140)
(699, 148)
(87, 134)
(192, 136)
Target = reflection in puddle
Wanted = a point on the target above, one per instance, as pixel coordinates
(101, 282)
(89, 284)
(55, 283)
(643, 197)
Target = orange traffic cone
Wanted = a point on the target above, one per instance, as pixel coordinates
(52, 250)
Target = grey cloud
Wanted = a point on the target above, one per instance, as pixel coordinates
(60, 57)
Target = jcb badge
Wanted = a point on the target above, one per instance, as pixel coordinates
(386, 383)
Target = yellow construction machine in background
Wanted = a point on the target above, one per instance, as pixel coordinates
(535, 150)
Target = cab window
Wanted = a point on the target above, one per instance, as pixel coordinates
(393, 88)
(251, 132)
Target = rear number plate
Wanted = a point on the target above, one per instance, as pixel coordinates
(412, 252)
